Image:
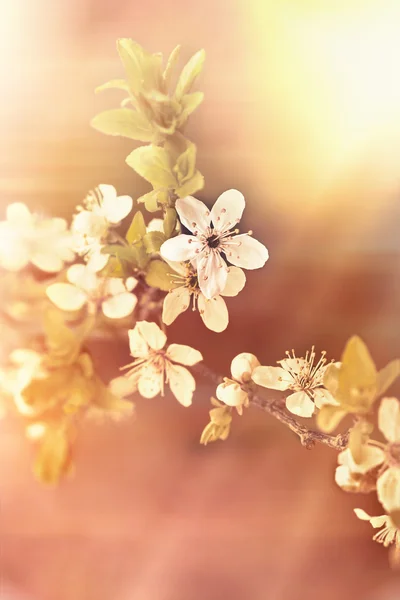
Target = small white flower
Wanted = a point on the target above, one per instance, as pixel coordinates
(213, 312)
(301, 376)
(29, 238)
(234, 392)
(212, 237)
(389, 534)
(86, 288)
(155, 225)
(25, 365)
(102, 210)
(154, 364)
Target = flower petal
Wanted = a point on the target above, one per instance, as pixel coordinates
(116, 209)
(227, 210)
(181, 248)
(18, 213)
(66, 296)
(97, 261)
(243, 365)
(14, 253)
(152, 334)
(193, 214)
(300, 404)
(375, 521)
(231, 394)
(322, 397)
(235, 282)
(274, 378)
(181, 382)
(82, 277)
(246, 252)
(138, 346)
(119, 306)
(183, 354)
(108, 192)
(155, 225)
(371, 457)
(388, 489)
(213, 312)
(389, 419)
(150, 383)
(212, 274)
(47, 261)
(175, 303)
(123, 386)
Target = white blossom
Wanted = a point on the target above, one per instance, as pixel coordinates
(25, 364)
(212, 237)
(214, 312)
(155, 364)
(234, 392)
(301, 376)
(102, 210)
(388, 534)
(85, 287)
(31, 238)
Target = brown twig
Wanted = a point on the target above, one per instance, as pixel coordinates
(308, 437)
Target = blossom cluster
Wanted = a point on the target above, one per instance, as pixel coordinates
(114, 269)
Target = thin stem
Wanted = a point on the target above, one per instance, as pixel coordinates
(308, 437)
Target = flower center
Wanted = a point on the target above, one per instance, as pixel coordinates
(213, 241)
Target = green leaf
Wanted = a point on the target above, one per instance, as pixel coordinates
(153, 241)
(114, 84)
(137, 228)
(153, 164)
(159, 275)
(190, 102)
(387, 376)
(329, 418)
(194, 184)
(53, 459)
(189, 74)
(122, 252)
(169, 223)
(186, 164)
(125, 122)
(132, 57)
(171, 63)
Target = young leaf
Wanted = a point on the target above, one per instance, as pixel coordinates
(171, 63)
(122, 252)
(124, 122)
(387, 376)
(153, 164)
(153, 241)
(132, 56)
(159, 275)
(137, 228)
(114, 84)
(169, 223)
(53, 459)
(186, 164)
(190, 102)
(189, 74)
(194, 184)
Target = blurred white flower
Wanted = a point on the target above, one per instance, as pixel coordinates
(154, 364)
(86, 288)
(102, 209)
(30, 238)
(389, 533)
(234, 392)
(372, 454)
(210, 241)
(213, 312)
(24, 365)
(301, 376)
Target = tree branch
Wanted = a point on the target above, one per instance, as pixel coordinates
(308, 437)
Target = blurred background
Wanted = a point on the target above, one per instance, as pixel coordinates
(302, 114)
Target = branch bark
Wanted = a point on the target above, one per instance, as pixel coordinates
(308, 437)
